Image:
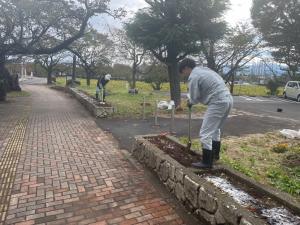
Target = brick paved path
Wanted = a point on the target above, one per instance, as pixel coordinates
(68, 171)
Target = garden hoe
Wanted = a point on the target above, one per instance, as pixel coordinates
(189, 144)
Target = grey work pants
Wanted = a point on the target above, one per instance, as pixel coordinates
(213, 121)
(101, 91)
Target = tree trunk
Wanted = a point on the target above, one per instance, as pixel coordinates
(133, 81)
(3, 78)
(232, 83)
(294, 74)
(3, 71)
(2, 66)
(49, 76)
(88, 78)
(74, 70)
(174, 83)
(212, 64)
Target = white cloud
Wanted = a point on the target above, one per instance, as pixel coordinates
(102, 22)
(239, 11)
(128, 4)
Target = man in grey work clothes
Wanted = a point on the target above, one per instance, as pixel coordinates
(207, 87)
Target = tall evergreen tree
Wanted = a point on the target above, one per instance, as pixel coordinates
(172, 29)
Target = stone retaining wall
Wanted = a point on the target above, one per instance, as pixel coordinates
(88, 102)
(200, 197)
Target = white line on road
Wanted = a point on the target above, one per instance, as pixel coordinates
(286, 100)
(256, 99)
(267, 100)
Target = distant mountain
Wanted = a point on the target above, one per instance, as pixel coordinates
(261, 69)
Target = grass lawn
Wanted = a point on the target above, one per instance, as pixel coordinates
(253, 90)
(129, 105)
(14, 94)
(268, 158)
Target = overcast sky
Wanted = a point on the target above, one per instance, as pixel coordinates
(239, 11)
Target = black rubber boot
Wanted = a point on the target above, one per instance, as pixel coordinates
(207, 160)
(97, 96)
(216, 146)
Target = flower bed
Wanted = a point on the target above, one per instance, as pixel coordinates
(218, 196)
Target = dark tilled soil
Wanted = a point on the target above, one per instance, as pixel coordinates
(177, 152)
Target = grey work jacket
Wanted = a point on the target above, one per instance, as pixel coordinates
(206, 86)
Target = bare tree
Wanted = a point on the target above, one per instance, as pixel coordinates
(231, 53)
(27, 27)
(131, 52)
(49, 63)
(93, 49)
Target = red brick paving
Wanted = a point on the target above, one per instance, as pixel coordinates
(71, 172)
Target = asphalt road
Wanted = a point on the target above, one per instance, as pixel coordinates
(267, 106)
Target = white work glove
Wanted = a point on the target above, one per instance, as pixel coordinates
(189, 104)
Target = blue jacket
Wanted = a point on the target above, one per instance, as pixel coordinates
(102, 82)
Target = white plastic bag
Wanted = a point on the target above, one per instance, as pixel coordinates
(163, 105)
(291, 134)
(171, 104)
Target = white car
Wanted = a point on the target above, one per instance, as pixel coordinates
(292, 90)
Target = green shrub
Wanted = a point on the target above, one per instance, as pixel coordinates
(157, 77)
(273, 86)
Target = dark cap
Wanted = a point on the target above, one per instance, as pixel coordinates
(187, 62)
